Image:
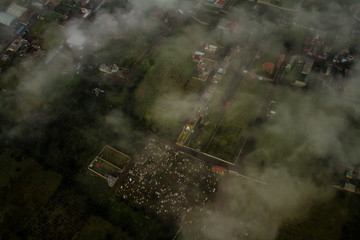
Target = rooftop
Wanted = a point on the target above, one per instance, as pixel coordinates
(6, 18)
(16, 10)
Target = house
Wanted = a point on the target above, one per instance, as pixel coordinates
(216, 3)
(6, 19)
(109, 69)
(210, 48)
(111, 180)
(16, 10)
(15, 45)
(85, 12)
(268, 67)
(196, 57)
(219, 169)
(13, 12)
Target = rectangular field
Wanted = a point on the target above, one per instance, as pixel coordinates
(109, 164)
(103, 168)
(266, 57)
(236, 124)
(216, 108)
(114, 156)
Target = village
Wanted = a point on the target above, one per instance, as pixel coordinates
(140, 114)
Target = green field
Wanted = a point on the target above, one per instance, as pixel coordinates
(295, 72)
(26, 191)
(62, 216)
(98, 228)
(289, 3)
(326, 221)
(46, 30)
(117, 212)
(238, 121)
(103, 168)
(114, 157)
(216, 108)
(265, 56)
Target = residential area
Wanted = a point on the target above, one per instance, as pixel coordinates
(181, 119)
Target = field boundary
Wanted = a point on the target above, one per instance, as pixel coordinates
(113, 171)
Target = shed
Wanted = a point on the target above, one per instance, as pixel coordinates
(6, 19)
(16, 10)
(268, 67)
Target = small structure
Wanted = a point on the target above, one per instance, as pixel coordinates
(37, 4)
(85, 12)
(4, 57)
(268, 67)
(111, 180)
(307, 67)
(16, 10)
(210, 48)
(197, 56)
(109, 164)
(97, 91)
(288, 67)
(13, 12)
(6, 18)
(221, 70)
(350, 187)
(219, 169)
(216, 3)
(15, 45)
(109, 69)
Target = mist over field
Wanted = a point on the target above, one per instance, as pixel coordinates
(294, 155)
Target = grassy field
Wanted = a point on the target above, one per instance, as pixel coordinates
(288, 3)
(134, 222)
(239, 119)
(114, 157)
(47, 30)
(98, 228)
(203, 133)
(265, 56)
(295, 72)
(103, 168)
(11, 168)
(24, 195)
(326, 221)
(61, 218)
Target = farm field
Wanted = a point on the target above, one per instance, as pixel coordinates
(237, 122)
